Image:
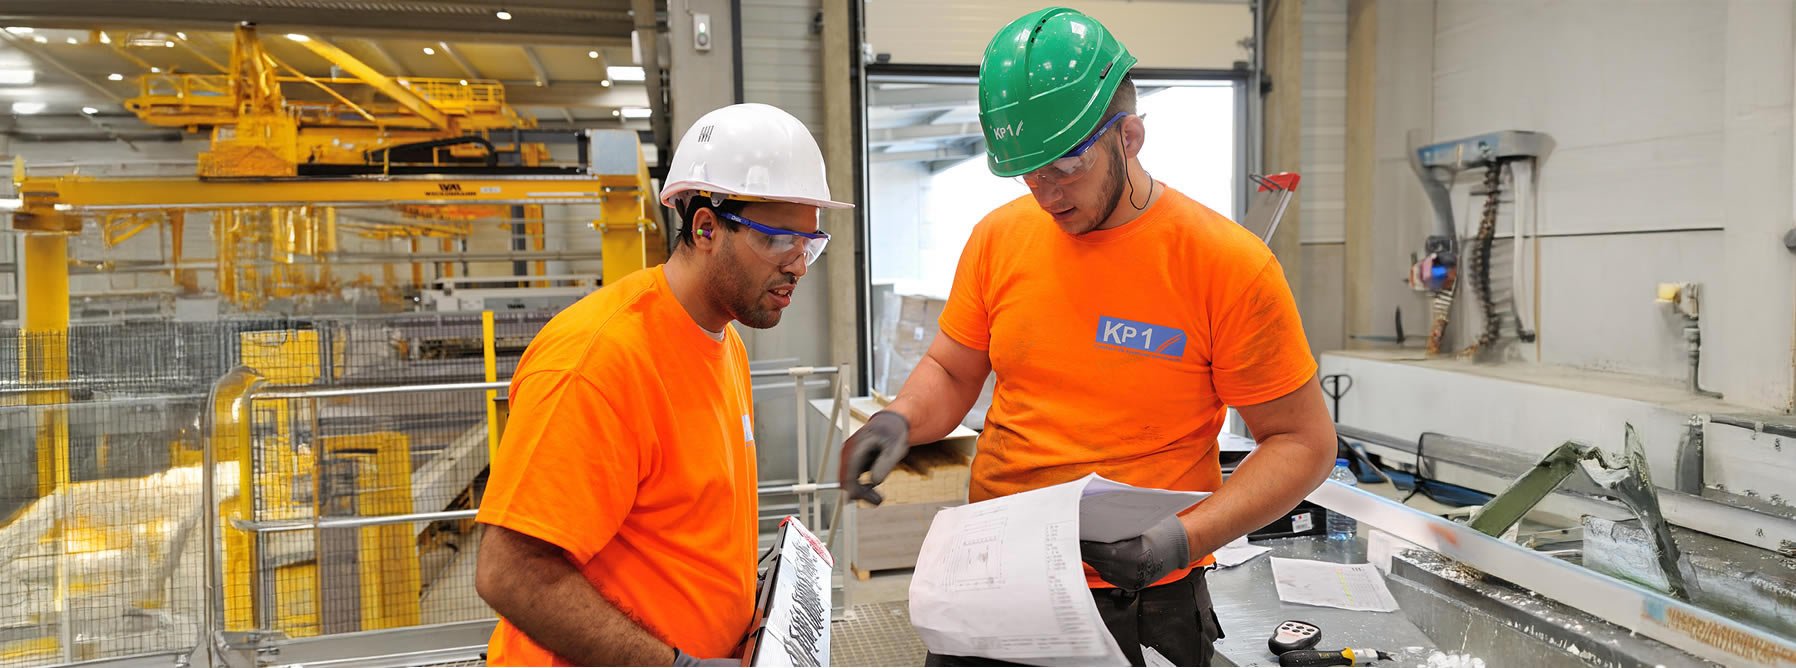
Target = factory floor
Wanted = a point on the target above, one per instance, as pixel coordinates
(877, 629)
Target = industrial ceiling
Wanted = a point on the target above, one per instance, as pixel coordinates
(566, 62)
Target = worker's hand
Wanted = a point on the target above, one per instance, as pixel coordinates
(1134, 563)
(874, 449)
(681, 658)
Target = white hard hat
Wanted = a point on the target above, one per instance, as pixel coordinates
(751, 152)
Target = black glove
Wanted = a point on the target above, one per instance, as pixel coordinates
(684, 660)
(875, 448)
(1135, 563)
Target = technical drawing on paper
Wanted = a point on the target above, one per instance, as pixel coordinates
(977, 562)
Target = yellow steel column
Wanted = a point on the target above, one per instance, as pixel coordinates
(324, 244)
(446, 269)
(492, 396)
(417, 268)
(535, 231)
(622, 229)
(45, 348)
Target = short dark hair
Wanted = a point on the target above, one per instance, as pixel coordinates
(1123, 100)
(695, 203)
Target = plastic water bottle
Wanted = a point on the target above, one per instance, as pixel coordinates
(1342, 527)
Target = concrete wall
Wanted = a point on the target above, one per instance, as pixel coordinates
(1673, 125)
(1161, 33)
(1323, 188)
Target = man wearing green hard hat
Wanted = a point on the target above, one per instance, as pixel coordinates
(1123, 319)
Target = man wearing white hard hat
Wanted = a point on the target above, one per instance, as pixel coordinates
(621, 511)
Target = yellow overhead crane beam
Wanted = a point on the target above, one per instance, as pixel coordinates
(53, 204)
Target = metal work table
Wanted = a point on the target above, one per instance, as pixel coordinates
(1247, 605)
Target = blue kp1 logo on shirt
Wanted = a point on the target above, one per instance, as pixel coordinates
(1141, 338)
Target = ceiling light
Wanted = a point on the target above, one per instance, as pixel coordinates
(606, 83)
(89, 111)
(169, 44)
(429, 51)
(464, 82)
(503, 15)
(115, 77)
(181, 35)
(27, 108)
(592, 54)
(298, 37)
(19, 30)
(155, 70)
(14, 77)
(636, 112)
(105, 38)
(40, 39)
(615, 112)
(626, 73)
(74, 41)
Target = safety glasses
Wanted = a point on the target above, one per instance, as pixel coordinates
(1072, 166)
(781, 247)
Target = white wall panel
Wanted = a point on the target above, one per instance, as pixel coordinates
(1161, 33)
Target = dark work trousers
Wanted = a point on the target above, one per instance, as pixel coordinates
(1176, 619)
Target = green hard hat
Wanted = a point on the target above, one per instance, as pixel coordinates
(1043, 86)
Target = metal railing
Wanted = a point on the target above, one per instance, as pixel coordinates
(256, 428)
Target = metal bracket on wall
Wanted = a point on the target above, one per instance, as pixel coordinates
(1628, 482)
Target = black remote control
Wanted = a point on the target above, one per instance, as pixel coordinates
(1292, 635)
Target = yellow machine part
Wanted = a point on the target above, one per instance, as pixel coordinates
(389, 579)
(260, 132)
(296, 600)
(256, 146)
(390, 582)
(284, 357)
(626, 222)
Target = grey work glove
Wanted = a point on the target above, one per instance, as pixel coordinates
(1133, 564)
(875, 448)
(681, 658)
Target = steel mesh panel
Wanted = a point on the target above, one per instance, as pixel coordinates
(101, 507)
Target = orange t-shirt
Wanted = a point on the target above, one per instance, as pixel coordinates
(1118, 351)
(631, 446)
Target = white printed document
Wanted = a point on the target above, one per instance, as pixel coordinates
(1346, 586)
(1238, 552)
(1002, 578)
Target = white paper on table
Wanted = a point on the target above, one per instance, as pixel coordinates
(1346, 586)
(1002, 578)
(1238, 552)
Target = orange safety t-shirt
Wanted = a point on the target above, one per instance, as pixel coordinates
(1118, 351)
(631, 446)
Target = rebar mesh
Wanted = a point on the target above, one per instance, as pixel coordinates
(102, 437)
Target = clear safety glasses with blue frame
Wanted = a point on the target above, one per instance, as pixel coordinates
(781, 247)
(1074, 164)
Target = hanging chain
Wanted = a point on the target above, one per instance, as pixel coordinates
(1487, 231)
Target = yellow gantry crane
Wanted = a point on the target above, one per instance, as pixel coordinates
(280, 165)
(288, 153)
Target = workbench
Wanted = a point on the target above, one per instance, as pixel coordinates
(1248, 607)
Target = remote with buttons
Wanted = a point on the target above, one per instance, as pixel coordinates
(1292, 635)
